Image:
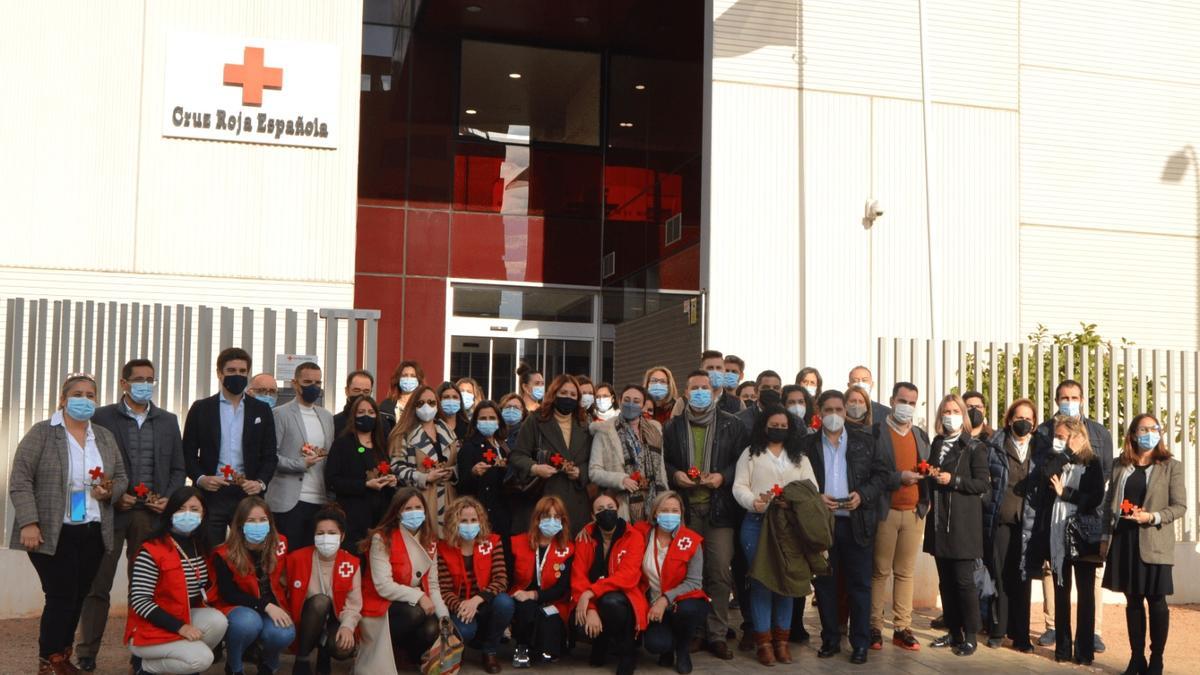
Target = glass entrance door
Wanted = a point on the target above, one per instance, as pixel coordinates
(492, 361)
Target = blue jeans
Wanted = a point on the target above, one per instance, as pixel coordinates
(767, 610)
(490, 621)
(247, 625)
(677, 627)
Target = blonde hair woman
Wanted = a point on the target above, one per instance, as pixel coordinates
(672, 581)
(660, 384)
(858, 409)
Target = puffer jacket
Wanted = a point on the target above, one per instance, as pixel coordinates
(797, 531)
(1035, 519)
(997, 461)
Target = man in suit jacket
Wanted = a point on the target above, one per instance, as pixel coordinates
(303, 435)
(852, 478)
(860, 376)
(152, 452)
(229, 442)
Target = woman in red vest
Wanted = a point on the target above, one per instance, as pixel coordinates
(541, 587)
(169, 629)
(609, 606)
(401, 605)
(248, 568)
(324, 593)
(672, 579)
(473, 579)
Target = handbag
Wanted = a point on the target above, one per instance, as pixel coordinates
(1084, 531)
(445, 656)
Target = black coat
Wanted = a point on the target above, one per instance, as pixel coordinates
(488, 488)
(346, 477)
(866, 474)
(340, 420)
(537, 441)
(730, 440)
(954, 526)
(202, 439)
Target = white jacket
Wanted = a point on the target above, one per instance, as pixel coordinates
(758, 474)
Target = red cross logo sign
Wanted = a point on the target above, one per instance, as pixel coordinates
(252, 76)
(345, 570)
(280, 549)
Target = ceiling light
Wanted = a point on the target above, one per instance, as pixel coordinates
(582, 19)
(640, 87)
(626, 125)
(470, 111)
(474, 9)
(515, 76)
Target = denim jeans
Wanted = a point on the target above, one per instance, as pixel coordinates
(247, 625)
(488, 626)
(678, 625)
(767, 610)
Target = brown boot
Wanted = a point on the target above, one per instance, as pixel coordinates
(779, 640)
(60, 664)
(490, 663)
(44, 667)
(746, 644)
(763, 649)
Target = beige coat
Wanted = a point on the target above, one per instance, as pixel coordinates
(1166, 496)
(606, 466)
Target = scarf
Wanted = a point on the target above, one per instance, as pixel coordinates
(636, 459)
(705, 418)
(1059, 514)
(417, 446)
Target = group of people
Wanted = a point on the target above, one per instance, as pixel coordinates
(571, 512)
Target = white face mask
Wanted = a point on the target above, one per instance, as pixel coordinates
(426, 412)
(864, 385)
(951, 423)
(604, 403)
(833, 422)
(797, 409)
(1059, 445)
(812, 391)
(903, 413)
(586, 400)
(856, 411)
(327, 544)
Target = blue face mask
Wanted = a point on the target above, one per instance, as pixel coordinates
(451, 406)
(468, 400)
(538, 393)
(630, 411)
(468, 531)
(668, 521)
(1069, 408)
(310, 393)
(658, 391)
(550, 526)
(700, 399)
(412, 520)
(408, 384)
(266, 398)
(1148, 441)
(256, 533)
(716, 379)
(141, 392)
(731, 379)
(80, 408)
(487, 427)
(185, 522)
(511, 415)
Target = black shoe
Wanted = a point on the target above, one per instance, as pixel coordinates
(947, 640)
(994, 642)
(799, 635)
(87, 663)
(1026, 648)
(858, 657)
(966, 648)
(1137, 665)
(598, 655)
(876, 639)
(1062, 658)
(829, 649)
(233, 672)
(666, 659)
(683, 662)
(301, 667)
(324, 662)
(1097, 645)
(627, 663)
(1081, 662)
(938, 623)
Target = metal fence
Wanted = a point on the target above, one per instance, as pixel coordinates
(46, 339)
(1118, 383)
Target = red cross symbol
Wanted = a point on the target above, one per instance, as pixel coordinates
(489, 456)
(252, 76)
(96, 473)
(485, 548)
(281, 548)
(345, 570)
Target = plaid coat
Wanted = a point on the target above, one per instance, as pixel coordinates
(38, 484)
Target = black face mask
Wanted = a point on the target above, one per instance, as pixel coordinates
(976, 417)
(776, 435)
(565, 404)
(1022, 427)
(768, 397)
(364, 423)
(310, 393)
(608, 519)
(235, 384)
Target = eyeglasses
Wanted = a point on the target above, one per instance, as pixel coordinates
(1146, 430)
(141, 380)
(81, 376)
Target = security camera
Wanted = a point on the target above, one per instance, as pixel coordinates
(871, 211)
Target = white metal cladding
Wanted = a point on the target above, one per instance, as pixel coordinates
(756, 41)
(1132, 285)
(864, 47)
(754, 267)
(68, 164)
(972, 49)
(1150, 39)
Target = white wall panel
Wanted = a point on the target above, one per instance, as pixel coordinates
(68, 143)
(1136, 286)
(241, 209)
(864, 47)
(972, 48)
(1094, 150)
(754, 270)
(757, 41)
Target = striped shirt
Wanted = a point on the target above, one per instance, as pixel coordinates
(144, 578)
(498, 585)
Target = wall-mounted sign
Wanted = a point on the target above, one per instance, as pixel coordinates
(248, 90)
(285, 364)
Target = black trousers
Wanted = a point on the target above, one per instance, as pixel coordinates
(1135, 622)
(1010, 607)
(219, 507)
(412, 630)
(960, 598)
(317, 619)
(533, 628)
(1085, 614)
(616, 615)
(297, 524)
(677, 627)
(66, 579)
(853, 565)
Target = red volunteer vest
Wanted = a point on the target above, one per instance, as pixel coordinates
(673, 572)
(247, 582)
(524, 561)
(170, 593)
(402, 571)
(481, 565)
(299, 566)
(624, 571)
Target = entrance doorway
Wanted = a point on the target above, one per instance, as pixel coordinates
(492, 362)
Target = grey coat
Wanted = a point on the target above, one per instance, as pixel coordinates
(289, 439)
(1166, 495)
(39, 483)
(170, 473)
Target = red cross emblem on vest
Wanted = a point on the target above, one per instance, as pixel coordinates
(620, 554)
(485, 548)
(280, 548)
(252, 76)
(345, 570)
(684, 543)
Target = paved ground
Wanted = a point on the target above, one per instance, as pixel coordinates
(18, 653)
